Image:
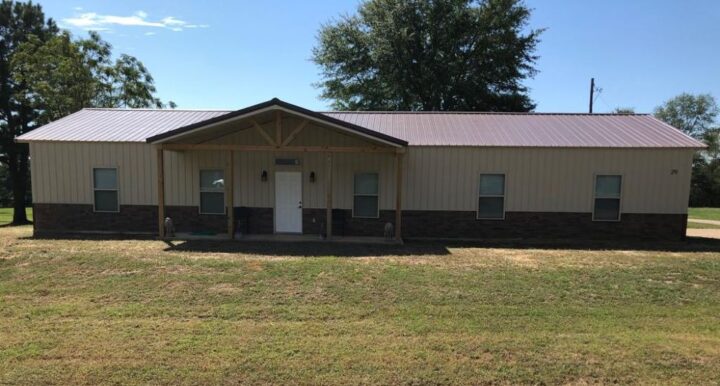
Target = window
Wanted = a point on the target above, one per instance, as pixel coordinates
(212, 192)
(491, 203)
(607, 198)
(105, 190)
(365, 201)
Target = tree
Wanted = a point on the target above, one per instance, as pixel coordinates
(18, 21)
(63, 76)
(623, 110)
(429, 55)
(693, 114)
(45, 74)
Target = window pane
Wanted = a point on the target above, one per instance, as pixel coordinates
(212, 179)
(105, 178)
(607, 186)
(212, 202)
(607, 209)
(366, 183)
(491, 207)
(365, 206)
(106, 201)
(492, 184)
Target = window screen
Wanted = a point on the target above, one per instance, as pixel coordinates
(606, 206)
(212, 192)
(491, 201)
(365, 200)
(105, 190)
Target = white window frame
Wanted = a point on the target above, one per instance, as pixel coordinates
(619, 198)
(478, 196)
(211, 190)
(116, 190)
(377, 196)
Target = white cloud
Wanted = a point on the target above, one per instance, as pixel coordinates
(97, 22)
(150, 33)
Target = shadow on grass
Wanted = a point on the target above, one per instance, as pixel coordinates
(420, 248)
(410, 248)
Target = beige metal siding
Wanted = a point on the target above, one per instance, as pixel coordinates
(62, 171)
(183, 168)
(547, 180)
(436, 178)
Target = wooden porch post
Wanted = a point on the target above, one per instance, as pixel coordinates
(230, 192)
(161, 191)
(328, 198)
(398, 195)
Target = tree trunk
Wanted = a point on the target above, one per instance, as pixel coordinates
(18, 170)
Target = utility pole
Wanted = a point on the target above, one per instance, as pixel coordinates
(592, 91)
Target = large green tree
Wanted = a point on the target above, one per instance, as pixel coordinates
(696, 116)
(18, 22)
(429, 55)
(693, 114)
(45, 74)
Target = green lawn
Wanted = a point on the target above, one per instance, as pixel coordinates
(697, 225)
(704, 213)
(133, 311)
(7, 213)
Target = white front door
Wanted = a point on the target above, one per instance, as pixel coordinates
(288, 202)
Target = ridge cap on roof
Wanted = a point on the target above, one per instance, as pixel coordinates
(151, 109)
(480, 113)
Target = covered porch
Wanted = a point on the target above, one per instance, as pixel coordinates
(276, 171)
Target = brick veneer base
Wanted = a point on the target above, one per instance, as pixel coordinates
(556, 225)
(68, 218)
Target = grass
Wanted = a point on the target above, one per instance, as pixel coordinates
(704, 213)
(6, 215)
(134, 311)
(698, 225)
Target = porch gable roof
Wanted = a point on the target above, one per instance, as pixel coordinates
(277, 104)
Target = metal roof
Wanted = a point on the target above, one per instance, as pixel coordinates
(524, 129)
(417, 128)
(275, 105)
(117, 125)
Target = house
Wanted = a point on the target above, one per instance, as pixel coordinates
(279, 168)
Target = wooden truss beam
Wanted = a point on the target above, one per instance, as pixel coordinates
(263, 133)
(295, 132)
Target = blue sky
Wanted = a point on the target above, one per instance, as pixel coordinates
(230, 54)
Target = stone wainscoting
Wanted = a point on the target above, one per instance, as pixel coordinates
(68, 218)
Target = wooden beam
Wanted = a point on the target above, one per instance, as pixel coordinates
(398, 195)
(304, 149)
(263, 133)
(161, 191)
(229, 191)
(278, 128)
(328, 197)
(295, 132)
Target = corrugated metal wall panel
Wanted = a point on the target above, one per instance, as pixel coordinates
(62, 172)
(555, 180)
(435, 178)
